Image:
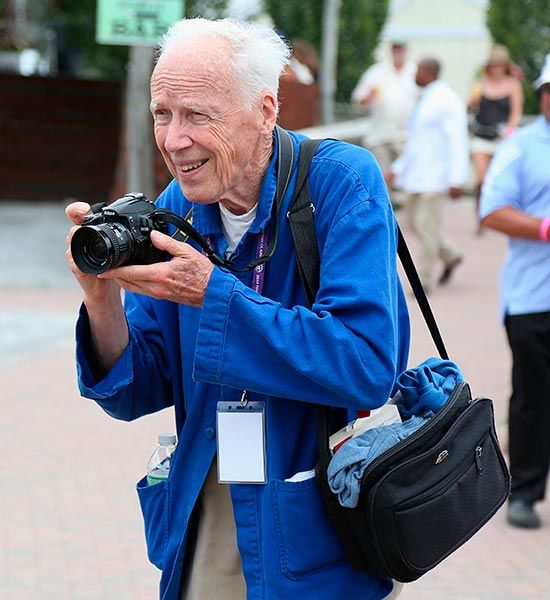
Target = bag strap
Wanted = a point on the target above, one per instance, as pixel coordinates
(302, 227)
(420, 294)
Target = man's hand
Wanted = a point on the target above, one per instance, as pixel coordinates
(455, 193)
(183, 279)
(109, 332)
(366, 100)
(95, 290)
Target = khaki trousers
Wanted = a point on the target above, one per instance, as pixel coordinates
(216, 572)
(424, 213)
(387, 153)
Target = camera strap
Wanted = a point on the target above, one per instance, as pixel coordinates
(285, 161)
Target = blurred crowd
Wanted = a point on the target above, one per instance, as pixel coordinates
(425, 137)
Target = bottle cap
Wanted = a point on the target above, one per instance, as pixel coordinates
(167, 439)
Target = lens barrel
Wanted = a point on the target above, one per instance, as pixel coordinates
(98, 248)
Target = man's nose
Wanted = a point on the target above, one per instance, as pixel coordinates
(177, 137)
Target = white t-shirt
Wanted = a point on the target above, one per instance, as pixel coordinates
(235, 226)
(394, 96)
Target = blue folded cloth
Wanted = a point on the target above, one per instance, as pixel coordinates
(427, 386)
(423, 391)
(348, 464)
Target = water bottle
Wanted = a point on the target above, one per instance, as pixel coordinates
(158, 467)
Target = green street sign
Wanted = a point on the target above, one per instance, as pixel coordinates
(135, 22)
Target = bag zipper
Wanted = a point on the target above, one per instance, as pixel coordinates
(419, 432)
(445, 483)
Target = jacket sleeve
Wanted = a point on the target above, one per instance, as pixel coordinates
(346, 351)
(138, 384)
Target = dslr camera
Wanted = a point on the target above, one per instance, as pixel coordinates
(117, 234)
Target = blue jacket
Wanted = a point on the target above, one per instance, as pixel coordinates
(345, 352)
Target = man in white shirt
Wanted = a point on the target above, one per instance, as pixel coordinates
(432, 167)
(388, 92)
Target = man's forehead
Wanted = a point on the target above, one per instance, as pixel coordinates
(204, 54)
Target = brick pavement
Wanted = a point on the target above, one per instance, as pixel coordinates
(71, 526)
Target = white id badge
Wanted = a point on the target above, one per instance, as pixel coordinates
(241, 442)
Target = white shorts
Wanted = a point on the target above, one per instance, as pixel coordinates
(483, 146)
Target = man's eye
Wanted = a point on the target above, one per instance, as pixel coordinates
(198, 117)
(160, 115)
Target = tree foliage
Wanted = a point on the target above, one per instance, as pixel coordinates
(361, 22)
(523, 26)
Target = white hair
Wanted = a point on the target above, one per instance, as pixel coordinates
(258, 54)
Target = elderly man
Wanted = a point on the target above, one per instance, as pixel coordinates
(515, 200)
(433, 166)
(198, 337)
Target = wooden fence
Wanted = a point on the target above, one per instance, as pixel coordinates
(58, 138)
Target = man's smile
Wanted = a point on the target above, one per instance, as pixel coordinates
(188, 167)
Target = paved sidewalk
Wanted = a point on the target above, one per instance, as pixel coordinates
(71, 527)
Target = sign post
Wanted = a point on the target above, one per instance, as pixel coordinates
(139, 24)
(135, 22)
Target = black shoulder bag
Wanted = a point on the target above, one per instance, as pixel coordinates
(427, 495)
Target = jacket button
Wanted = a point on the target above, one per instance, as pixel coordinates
(209, 433)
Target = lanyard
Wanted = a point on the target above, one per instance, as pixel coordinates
(258, 274)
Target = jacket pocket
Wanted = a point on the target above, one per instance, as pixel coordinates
(307, 540)
(153, 500)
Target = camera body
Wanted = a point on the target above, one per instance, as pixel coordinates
(117, 234)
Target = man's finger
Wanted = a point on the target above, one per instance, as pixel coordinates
(135, 273)
(76, 211)
(71, 233)
(168, 244)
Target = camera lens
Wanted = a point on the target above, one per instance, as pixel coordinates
(97, 248)
(97, 251)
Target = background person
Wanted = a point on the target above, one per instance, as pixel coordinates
(304, 65)
(304, 56)
(190, 334)
(497, 101)
(516, 201)
(387, 91)
(432, 167)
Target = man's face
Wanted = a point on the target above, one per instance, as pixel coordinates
(210, 141)
(423, 75)
(545, 101)
(399, 55)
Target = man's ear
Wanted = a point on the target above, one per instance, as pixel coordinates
(268, 109)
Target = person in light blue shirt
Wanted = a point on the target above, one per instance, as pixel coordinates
(515, 200)
(190, 334)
